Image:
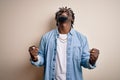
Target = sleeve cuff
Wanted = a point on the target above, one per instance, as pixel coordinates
(37, 62)
(91, 66)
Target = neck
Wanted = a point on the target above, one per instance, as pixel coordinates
(64, 29)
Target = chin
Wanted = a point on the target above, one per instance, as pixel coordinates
(64, 24)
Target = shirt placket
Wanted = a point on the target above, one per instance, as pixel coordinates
(68, 73)
(54, 60)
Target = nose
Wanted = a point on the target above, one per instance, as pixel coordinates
(64, 14)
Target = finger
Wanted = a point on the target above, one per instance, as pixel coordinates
(30, 48)
(36, 48)
(92, 51)
(36, 51)
(33, 47)
(94, 54)
(92, 58)
(97, 50)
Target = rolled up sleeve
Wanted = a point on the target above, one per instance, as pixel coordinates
(41, 54)
(86, 55)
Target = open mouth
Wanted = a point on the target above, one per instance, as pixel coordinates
(62, 19)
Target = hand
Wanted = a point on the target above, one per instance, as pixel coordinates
(94, 53)
(33, 50)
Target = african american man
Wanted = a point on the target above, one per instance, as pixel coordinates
(63, 51)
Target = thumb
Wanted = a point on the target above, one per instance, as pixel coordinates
(92, 50)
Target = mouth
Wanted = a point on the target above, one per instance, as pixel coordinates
(62, 19)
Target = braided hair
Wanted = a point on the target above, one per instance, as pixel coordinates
(69, 12)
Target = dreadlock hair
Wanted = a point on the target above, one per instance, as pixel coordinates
(68, 11)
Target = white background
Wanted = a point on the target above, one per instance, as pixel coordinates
(23, 22)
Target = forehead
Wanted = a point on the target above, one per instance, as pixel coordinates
(65, 14)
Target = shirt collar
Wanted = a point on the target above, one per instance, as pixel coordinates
(71, 31)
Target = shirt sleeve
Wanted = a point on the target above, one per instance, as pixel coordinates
(41, 54)
(37, 63)
(86, 55)
(90, 66)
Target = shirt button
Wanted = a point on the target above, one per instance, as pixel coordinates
(53, 59)
(69, 48)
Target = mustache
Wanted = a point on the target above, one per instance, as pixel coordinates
(62, 19)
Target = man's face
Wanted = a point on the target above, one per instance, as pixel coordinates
(64, 19)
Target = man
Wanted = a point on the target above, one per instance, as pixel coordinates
(63, 51)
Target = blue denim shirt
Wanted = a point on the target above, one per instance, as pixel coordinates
(77, 55)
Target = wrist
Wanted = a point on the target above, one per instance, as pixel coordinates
(92, 62)
(34, 58)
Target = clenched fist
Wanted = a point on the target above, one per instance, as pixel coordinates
(33, 50)
(94, 53)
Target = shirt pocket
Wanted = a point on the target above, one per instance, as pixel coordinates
(77, 53)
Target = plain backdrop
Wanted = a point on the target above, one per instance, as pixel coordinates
(23, 22)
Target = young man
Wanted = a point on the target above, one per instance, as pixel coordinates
(63, 51)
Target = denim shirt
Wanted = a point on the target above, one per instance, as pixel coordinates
(77, 55)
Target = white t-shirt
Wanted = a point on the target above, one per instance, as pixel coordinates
(60, 66)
